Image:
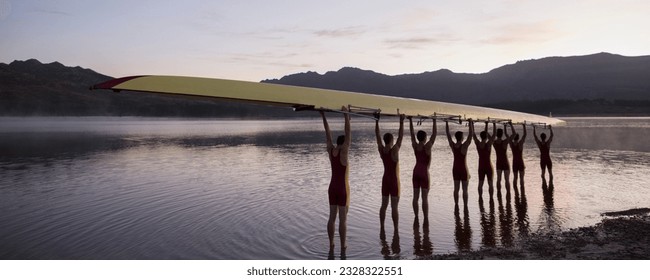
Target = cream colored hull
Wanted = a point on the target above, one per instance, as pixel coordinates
(304, 97)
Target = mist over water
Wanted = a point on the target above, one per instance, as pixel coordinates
(133, 188)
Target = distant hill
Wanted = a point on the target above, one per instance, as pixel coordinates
(31, 88)
(593, 84)
(599, 84)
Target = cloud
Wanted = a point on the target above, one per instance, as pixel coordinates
(51, 12)
(266, 58)
(523, 33)
(340, 32)
(417, 42)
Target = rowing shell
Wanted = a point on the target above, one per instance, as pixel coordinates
(306, 98)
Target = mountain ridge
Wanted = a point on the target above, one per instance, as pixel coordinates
(595, 84)
(32, 88)
(598, 76)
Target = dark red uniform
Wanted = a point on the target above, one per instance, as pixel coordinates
(501, 149)
(421, 170)
(545, 155)
(390, 181)
(484, 163)
(339, 189)
(459, 170)
(517, 158)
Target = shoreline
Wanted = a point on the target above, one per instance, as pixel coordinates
(623, 235)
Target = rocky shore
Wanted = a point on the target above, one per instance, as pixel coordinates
(623, 235)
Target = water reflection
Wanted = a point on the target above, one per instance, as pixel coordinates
(488, 223)
(463, 230)
(547, 191)
(331, 256)
(40, 146)
(137, 190)
(422, 246)
(505, 221)
(521, 207)
(549, 220)
(392, 251)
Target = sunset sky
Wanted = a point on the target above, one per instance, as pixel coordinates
(255, 40)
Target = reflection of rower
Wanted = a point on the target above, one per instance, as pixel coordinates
(422, 246)
(521, 207)
(390, 252)
(549, 221)
(505, 222)
(548, 196)
(463, 231)
(487, 224)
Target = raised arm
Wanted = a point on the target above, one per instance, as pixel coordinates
(400, 134)
(348, 130)
(328, 134)
(471, 132)
(494, 134)
(535, 136)
(451, 143)
(380, 146)
(512, 128)
(413, 141)
(550, 138)
(434, 132)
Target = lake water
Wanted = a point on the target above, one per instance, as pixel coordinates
(133, 188)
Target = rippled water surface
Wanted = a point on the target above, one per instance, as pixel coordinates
(131, 188)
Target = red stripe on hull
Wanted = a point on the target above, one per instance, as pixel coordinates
(111, 83)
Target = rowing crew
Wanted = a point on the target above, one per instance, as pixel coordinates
(388, 148)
